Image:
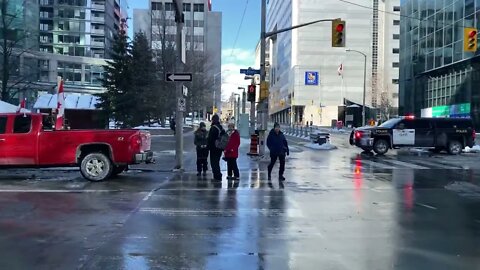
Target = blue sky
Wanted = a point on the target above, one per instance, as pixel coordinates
(233, 58)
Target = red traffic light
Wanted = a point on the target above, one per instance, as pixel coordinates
(340, 27)
(472, 34)
(251, 88)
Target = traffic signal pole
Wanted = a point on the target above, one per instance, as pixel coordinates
(179, 88)
(262, 108)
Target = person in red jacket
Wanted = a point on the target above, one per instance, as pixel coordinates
(231, 152)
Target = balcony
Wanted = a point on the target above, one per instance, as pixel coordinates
(98, 19)
(98, 44)
(98, 6)
(98, 31)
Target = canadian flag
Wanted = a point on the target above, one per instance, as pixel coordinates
(22, 105)
(340, 70)
(60, 105)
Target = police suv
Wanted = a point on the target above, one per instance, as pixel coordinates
(450, 134)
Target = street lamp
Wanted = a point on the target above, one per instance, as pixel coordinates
(364, 83)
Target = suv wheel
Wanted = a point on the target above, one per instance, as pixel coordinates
(380, 147)
(96, 167)
(455, 147)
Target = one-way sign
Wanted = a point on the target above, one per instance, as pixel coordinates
(178, 77)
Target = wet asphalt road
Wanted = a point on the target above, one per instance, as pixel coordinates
(337, 210)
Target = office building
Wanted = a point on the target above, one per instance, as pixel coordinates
(438, 77)
(68, 38)
(305, 85)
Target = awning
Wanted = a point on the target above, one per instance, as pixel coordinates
(9, 108)
(72, 102)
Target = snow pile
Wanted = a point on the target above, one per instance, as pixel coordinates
(325, 146)
(151, 127)
(10, 108)
(474, 149)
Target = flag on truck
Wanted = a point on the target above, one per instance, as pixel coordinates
(60, 105)
(22, 105)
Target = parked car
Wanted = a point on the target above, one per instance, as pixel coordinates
(28, 140)
(450, 134)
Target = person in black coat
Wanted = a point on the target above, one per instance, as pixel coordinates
(278, 146)
(215, 153)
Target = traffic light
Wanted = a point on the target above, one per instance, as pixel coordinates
(470, 36)
(338, 33)
(252, 90)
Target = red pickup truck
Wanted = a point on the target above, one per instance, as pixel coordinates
(29, 141)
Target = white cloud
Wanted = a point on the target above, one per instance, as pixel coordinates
(232, 62)
(238, 56)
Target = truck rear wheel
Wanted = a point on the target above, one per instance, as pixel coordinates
(380, 147)
(96, 167)
(455, 147)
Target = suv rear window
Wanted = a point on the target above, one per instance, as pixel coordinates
(3, 124)
(22, 124)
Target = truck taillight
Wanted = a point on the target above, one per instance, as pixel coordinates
(136, 142)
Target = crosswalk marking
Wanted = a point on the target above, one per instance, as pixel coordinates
(435, 165)
(408, 165)
(376, 164)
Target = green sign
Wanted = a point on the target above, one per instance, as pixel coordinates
(456, 110)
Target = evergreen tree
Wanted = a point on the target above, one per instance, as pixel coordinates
(118, 101)
(144, 80)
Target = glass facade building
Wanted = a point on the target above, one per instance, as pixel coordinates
(437, 77)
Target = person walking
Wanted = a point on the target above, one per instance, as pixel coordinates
(216, 130)
(201, 142)
(278, 146)
(172, 125)
(231, 152)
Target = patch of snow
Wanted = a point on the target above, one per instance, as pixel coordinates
(152, 127)
(474, 149)
(10, 108)
(325, 146)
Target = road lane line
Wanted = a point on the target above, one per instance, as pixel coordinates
(427, 206)
(436, 165)
(376, 164)
(405, 164)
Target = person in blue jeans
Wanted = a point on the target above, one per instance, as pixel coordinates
(278, 146)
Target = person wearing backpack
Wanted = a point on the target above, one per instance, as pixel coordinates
(231, 152)
(201, 143)
(216, 139)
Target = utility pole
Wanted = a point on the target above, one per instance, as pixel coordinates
(263, 106)
(179, 86)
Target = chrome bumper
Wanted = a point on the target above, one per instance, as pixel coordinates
(145, 157)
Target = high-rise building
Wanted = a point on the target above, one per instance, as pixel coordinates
(68, 38)
(306, 81)
(202, 36)
(438, 77)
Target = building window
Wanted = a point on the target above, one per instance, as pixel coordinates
(396, 8)
(187, 7)
(44, 27)
(396, 22)
(169, 7)
(198, 7)
(396, 50)
(395, 64)
(198, 23)
(396, 36)
(395, 81)
(156, 6)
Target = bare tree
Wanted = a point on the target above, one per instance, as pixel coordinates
(163, 44)
(383, 99)
(17, 65)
